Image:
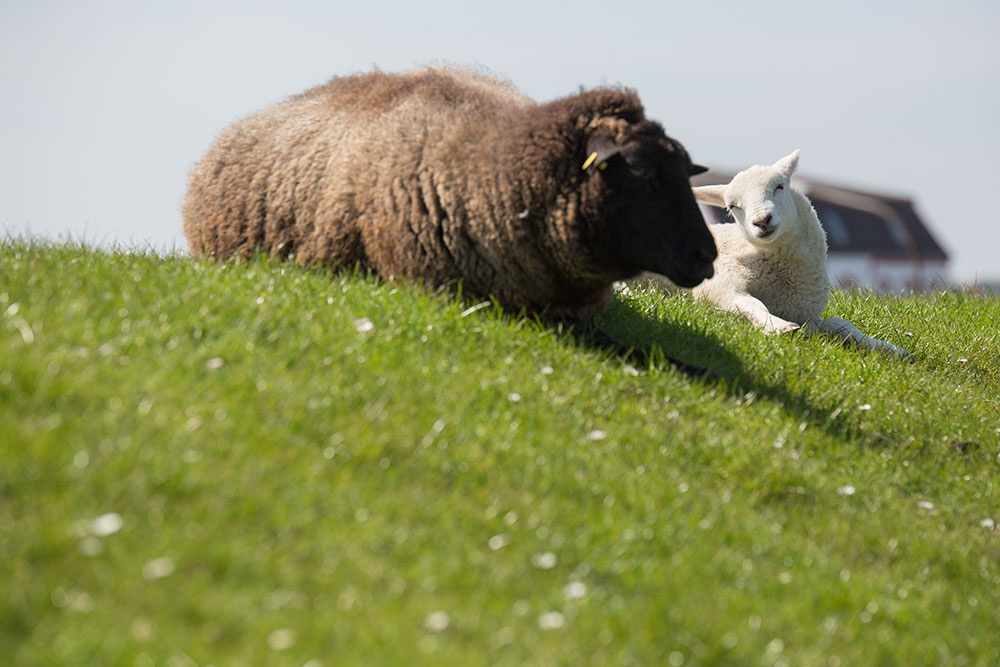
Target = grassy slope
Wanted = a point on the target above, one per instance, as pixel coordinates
(292, 489)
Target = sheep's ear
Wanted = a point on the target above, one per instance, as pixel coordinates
(697, 169)
(713, 195)
(787, 165)
(599, 150)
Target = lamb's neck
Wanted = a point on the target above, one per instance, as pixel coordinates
(807, 236)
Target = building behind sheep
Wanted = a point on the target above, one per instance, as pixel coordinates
(876, 241)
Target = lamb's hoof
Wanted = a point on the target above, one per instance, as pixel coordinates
(783, 329)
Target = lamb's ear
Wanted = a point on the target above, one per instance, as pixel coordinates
(787, 165)
(600, 149)
(697, 169)
(713, 195)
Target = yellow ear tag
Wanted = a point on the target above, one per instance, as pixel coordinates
(590, 160)
(602, 166)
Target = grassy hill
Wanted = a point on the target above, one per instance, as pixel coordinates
(256, 464)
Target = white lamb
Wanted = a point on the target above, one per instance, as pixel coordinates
(771, 266)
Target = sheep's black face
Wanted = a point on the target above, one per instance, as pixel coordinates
(652, 222)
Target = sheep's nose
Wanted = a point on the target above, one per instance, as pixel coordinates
(705, 254)
(701, 258)
(763, 222)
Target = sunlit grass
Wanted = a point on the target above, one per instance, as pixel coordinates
(256, 464)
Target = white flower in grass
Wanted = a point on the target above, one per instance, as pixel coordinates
(498, 542)
(281, 639)
(437, 621)
(106, 524)
(544, 561)
(866, 406)
(597, 434)
(81, 460)
(574, 590)
(989, 524)
(158, 568)
(90, 546)
(142, 629)
(551, 620)
(846, 490)
(79, 601)
(925, 504)
(363, 325)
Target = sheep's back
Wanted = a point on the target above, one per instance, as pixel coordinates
(344, 172)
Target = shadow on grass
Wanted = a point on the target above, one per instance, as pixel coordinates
(645, 340)
(659, 341)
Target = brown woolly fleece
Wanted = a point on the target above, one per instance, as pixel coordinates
(448, 176)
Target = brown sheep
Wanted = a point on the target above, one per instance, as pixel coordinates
(447, 176)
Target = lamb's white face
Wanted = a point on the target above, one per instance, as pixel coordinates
(760, 201)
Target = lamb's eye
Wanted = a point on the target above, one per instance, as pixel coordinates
(734, 209)
(778, 187)
(637, 171)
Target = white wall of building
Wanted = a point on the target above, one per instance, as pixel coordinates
(886, 275)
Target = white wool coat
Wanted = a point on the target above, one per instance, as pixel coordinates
(789, 276)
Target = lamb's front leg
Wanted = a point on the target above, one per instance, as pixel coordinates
(754, 310)
(847, 332)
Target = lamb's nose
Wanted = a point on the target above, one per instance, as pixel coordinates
(763, 222)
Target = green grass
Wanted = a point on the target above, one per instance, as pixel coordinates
(474, 488)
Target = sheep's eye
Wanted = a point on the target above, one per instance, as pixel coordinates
(779, 186)
(637, 171)
(734, 209)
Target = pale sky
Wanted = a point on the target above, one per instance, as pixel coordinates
(106, 105)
